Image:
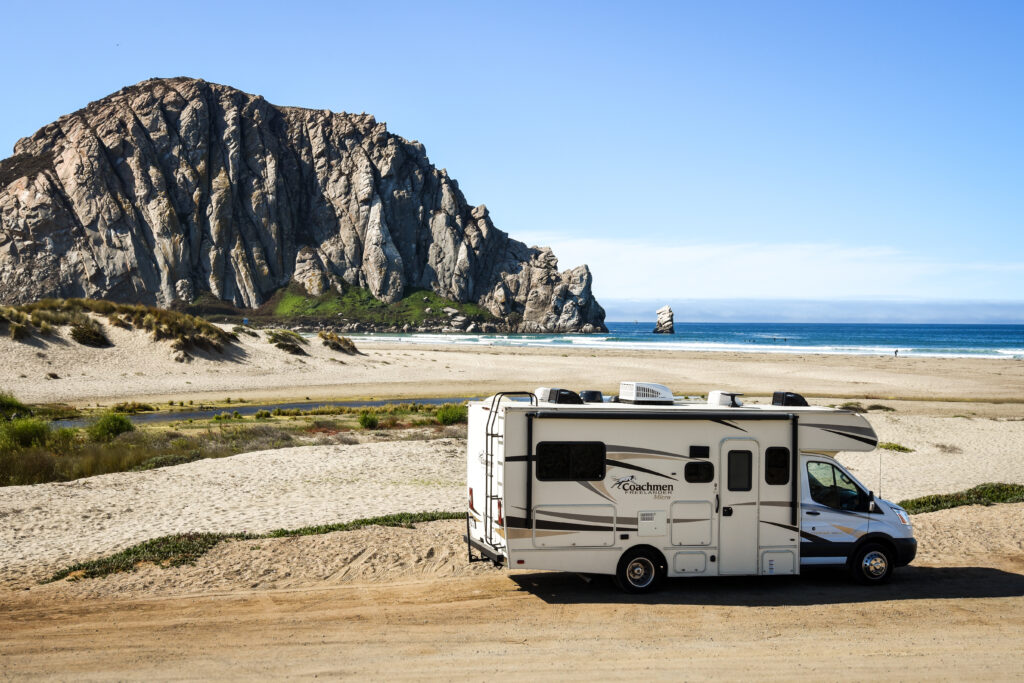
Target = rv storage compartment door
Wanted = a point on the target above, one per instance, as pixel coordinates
(691, 523)
(568, 526)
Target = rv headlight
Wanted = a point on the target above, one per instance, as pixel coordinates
(902, 514)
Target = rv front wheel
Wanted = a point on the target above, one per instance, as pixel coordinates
(872, 564)
(639, 571)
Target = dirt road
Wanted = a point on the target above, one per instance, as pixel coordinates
(929, 623)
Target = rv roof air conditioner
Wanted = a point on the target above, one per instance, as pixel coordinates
(555, 395)
(724, 398)
(645, 393)
(788, 398)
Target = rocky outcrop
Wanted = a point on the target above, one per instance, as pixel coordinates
(177, 187)
(666, 321)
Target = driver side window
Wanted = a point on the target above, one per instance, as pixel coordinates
(831, 487)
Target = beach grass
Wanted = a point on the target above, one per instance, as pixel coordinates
(983, 494)
(180, 549)
(898, 448)
(81, 316)
(33, 452)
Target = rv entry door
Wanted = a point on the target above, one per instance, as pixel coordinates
(738, 517)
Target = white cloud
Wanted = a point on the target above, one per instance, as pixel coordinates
(632, 269)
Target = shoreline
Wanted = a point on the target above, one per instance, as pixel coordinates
(138, 368)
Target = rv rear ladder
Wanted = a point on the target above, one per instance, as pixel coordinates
(491, 495)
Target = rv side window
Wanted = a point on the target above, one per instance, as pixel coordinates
(570, 461)
(740, 470)
(776, 465)
(699, 472)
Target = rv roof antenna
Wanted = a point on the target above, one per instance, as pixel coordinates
(879, 473)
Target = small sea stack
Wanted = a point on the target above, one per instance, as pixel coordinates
(666, 323)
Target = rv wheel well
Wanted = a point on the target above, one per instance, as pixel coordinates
(877, 539)
(648, 550)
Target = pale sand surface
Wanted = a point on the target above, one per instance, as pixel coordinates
(137, 368)
(50, 525)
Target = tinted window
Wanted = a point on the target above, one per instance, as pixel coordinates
(699, 472)
(776, 465)
(570, 461)
(831, 487)
(740, 463)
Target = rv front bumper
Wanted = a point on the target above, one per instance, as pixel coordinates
(906, 550)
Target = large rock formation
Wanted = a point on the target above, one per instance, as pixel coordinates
(175, 187)
(666, 321)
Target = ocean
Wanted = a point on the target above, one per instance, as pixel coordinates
(935, 341)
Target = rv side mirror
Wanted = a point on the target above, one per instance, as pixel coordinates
(872, 506)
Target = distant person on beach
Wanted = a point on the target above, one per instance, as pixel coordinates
(896, 353)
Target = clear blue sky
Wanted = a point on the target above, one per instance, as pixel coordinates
(786, 150)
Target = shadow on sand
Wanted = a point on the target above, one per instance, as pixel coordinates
(817, 587)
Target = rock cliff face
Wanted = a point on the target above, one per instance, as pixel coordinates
(175, 187)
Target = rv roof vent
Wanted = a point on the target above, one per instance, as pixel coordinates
(554, 395)
(591, 396)
(788, 398)
(645, 393)
(724, 398)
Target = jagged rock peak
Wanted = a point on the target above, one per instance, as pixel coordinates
(176, 187)
(666, 321)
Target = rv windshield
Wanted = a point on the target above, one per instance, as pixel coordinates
(832, 487)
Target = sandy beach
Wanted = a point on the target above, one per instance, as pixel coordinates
(378, 591)
(137, 368)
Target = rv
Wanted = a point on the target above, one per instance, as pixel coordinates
(647, 486)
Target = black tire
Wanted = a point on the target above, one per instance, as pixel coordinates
(872, 564)
(640, 571)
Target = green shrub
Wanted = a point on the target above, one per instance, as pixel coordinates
(23, 433)
(879, 406)
(26, 467)
(983, 494)
(890, 446)
(854, 406)
(168, 460)
(288, 341)
(109, 426)
(368, 420)
(90, 335)
(241, 329)
(336, 343)
(132, 407)
(262, 414)
(450, 413)
(10, 406)
(62, 441)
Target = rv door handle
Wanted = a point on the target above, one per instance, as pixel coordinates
(716, 503)
(727, 511)
(812, 512)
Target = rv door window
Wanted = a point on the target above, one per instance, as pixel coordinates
(776, 465)
(740, 470)
(699, 472)
(570, 461)
(831, 487)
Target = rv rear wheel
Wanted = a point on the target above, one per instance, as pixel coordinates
(640, 571)
(872, 564)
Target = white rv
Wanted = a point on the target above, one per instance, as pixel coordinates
(649, 486)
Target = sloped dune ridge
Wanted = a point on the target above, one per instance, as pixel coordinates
(174, 188)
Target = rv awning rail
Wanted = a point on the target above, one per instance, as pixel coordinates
(656, 415)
